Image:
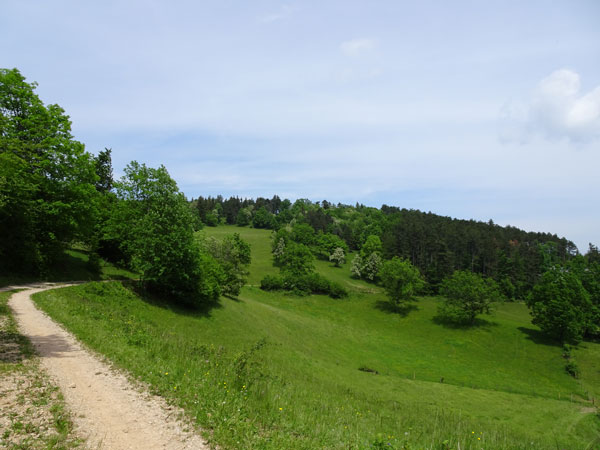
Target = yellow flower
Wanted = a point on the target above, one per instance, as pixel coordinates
(280, 409)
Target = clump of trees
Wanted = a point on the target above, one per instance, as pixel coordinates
(153, 229)
(292, 254)
(53, 193)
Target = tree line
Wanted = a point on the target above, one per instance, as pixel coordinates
(437, 245)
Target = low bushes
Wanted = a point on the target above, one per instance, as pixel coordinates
(311, 283)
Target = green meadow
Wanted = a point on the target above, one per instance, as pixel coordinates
(272, 370)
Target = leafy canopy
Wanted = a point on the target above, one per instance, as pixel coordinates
(401, 280)
(47, 179)
(466, 295)
(154, 227)
(560, 305)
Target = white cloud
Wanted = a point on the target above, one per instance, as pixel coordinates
(358, 47)
(558, 109)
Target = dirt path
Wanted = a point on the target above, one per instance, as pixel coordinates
(107, 409)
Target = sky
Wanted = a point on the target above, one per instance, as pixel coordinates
(474, 110)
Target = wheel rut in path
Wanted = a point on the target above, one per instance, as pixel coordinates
(108, 411)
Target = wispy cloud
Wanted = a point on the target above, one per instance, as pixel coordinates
(285, 12)
(358, 47)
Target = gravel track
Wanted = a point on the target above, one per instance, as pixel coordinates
(108, 410)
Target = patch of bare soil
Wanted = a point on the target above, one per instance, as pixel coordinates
(32, 411)
(108, 410)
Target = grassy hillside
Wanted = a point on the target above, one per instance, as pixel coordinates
(269, 370)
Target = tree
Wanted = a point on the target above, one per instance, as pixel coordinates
(338, 257)
(371, 245)
(401, 280)
(466, 295)
(244, 217)
(47, 179)
(356, 267)
(297, 259)
(154, 228)
(233, 255)
(371, 267)
(559, 305)
(263, 219)
(103, 164)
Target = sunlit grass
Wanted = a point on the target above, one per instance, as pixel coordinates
(276, 371)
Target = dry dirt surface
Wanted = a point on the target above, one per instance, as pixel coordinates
(108, 411)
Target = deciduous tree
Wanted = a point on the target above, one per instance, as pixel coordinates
(466, 295)
(401, 280)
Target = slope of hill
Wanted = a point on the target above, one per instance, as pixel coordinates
(270, 370)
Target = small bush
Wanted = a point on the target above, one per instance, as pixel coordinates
(311, 283)
(572, 368)
(271, 283)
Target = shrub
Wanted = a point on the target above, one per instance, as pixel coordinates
(303, 284)
(272, 283)
(572, 369)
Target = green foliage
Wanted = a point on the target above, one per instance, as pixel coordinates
(356, 267)
(372, 245)
(264, 219)
(338, 257)
(401, 280)
(466, 295)
(327, 244)
(297, 259)
(244, 217)
(154, 228)
(572, 368)
(47, 180)
(371, 266)
(103, 164)
(303, 284)
(304, 234)
(587, 270)
(233, 255)
(561, 306)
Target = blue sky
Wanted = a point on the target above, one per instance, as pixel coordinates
(468, 109)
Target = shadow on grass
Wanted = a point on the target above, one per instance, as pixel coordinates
(190, 307)
(447, 322)
(538, 337)
(390, 308)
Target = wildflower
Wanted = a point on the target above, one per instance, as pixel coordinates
(280, 409)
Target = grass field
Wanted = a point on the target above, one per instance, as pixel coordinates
(270, 370)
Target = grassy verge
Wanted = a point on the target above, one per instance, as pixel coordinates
(33, 413)
(276, 371)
